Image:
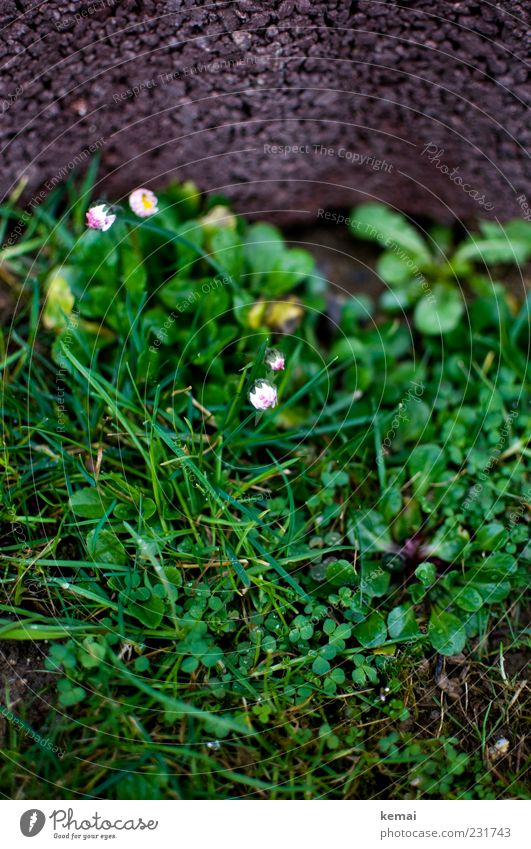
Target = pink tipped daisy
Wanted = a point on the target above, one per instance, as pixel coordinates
(98, 218)
(143, 202)
(263, 395)
(275, 359)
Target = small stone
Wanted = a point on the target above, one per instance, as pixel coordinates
(242, 39)
(499, 749)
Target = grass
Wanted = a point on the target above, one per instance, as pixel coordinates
(323, 600)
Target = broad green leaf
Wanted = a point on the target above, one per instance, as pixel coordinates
(402, 622)
(446, 633)
(320, 666)
(500, 562)
(126, 510)
(149, 611)
(493, 592)
(105, 547)
(426, 573)
(509, 243)
(490, 536)
(372, 632)
(290, 268)
(368, 529)
(263, 246)
(374, 580)
(90, 503)
(467, 598)
(374, 222)
(340, 573)
(439, 311)
(427, 464)
(393, 269)
(227, 250)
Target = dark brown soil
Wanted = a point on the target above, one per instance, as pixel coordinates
(347, 265)
(26, 687)
(453, 697)
(186, 89)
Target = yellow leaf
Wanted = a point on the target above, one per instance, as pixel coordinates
(385, 650)
(59, 302)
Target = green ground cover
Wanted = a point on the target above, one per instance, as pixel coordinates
(323, 599)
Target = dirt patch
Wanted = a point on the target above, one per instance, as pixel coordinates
(348, 266)
(473, 701)
(27, 688)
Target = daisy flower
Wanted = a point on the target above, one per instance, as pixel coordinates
(263, 395)
(275, 359)
(99, 218)
(143, 202)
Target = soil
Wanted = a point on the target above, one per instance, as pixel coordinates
(349, 266)
(277, 105)
(24, 683)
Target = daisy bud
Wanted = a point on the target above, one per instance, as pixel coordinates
(143, 202)
(98, 218)
(263, 395)
(275, 359)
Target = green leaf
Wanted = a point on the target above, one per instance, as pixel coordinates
(490, 536)
(93, 655)
(358, 676)
(227, 249)
(392, 269)
(368, 529)
(439, 311)
(446, 632)
(320, 666)
(190, 664)
(90, 503)
(391, 502)
(500, 563)
(95, 301)
(374, 580)
(141, 664)
(126, 510)
(69, 694)
(374, 222)
(338, 675)
(263, 246)
(509, 243)
(467, 598)
(427, 464)
(426, 573)
(105, 547)
(372, 632)
(289, 269)
(340, 573)
(149, 612)
(493, 592)
(402, 622)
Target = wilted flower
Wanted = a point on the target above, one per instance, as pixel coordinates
(275, 359)
(263, 395)
(143, 202)
(218, 216)
(98, 218)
